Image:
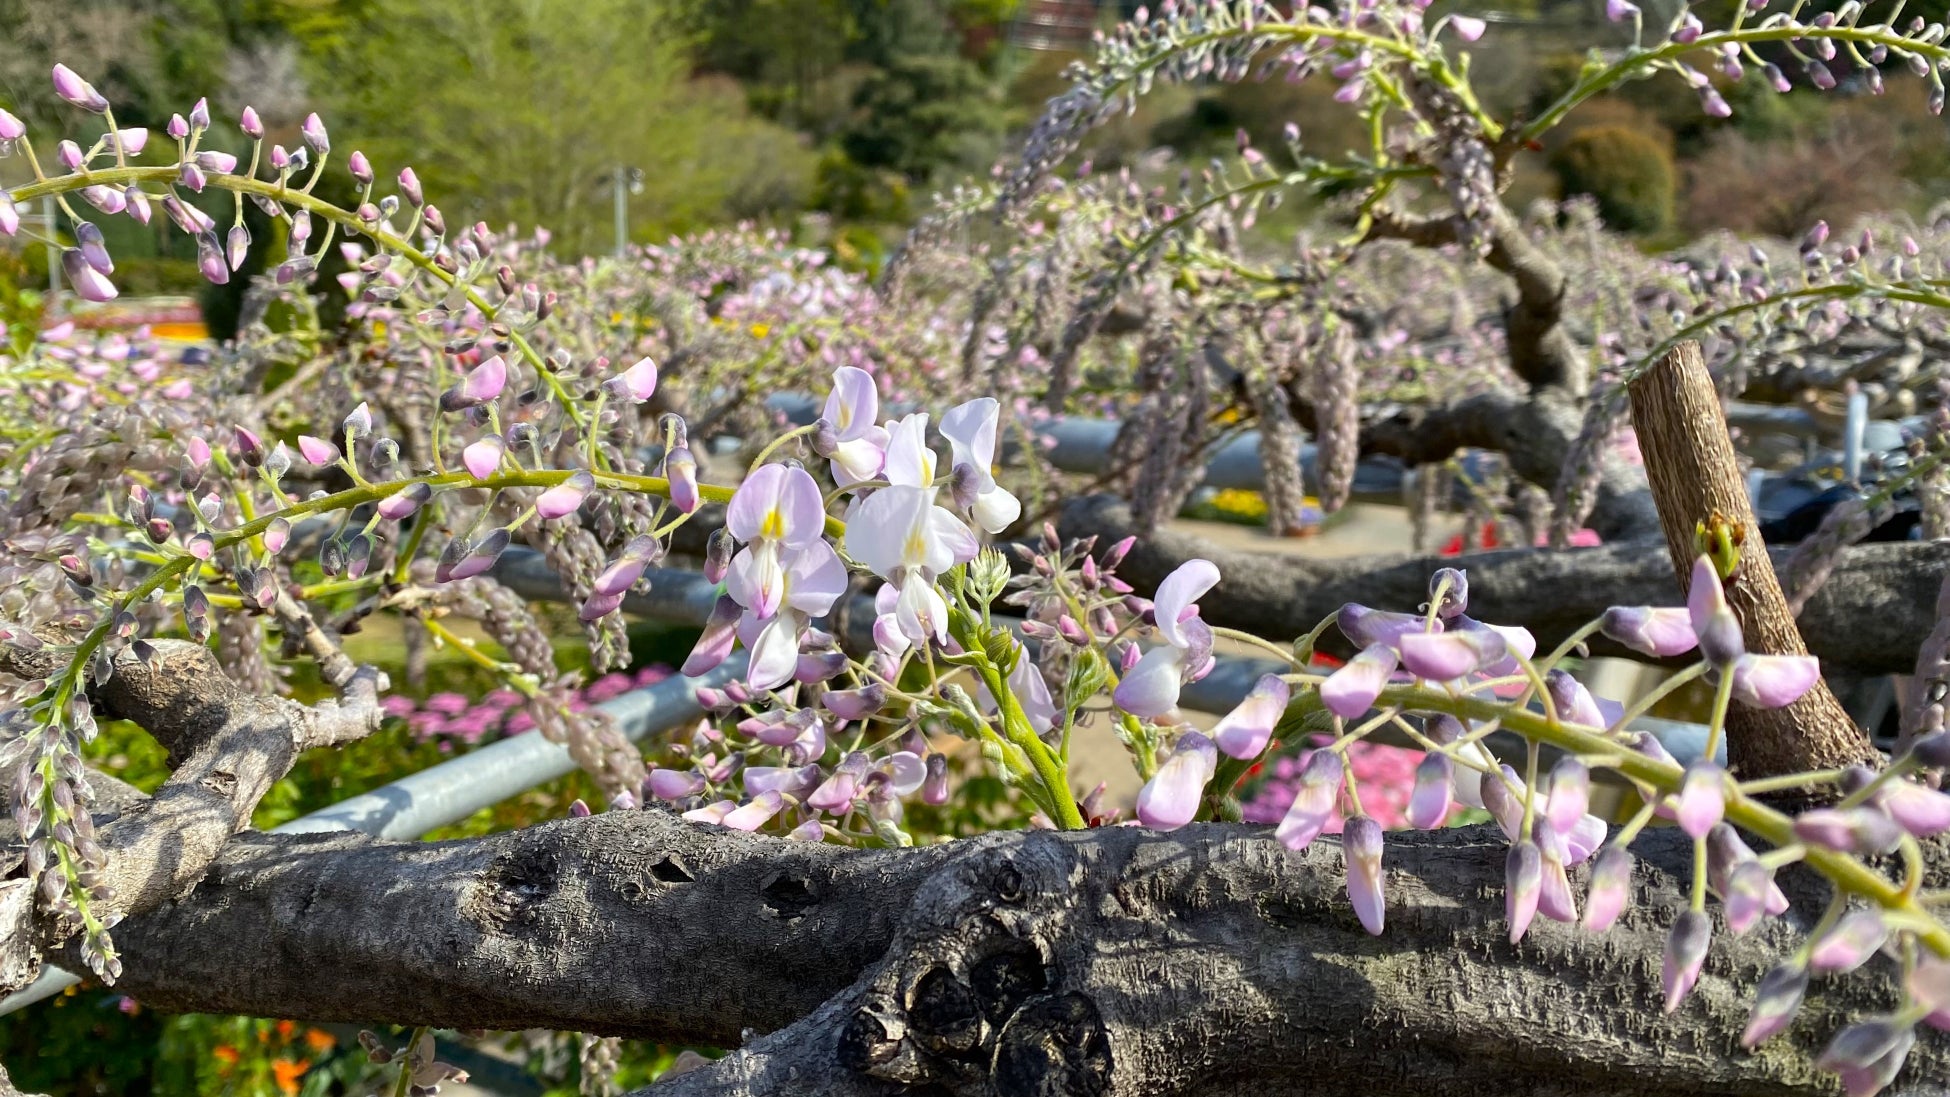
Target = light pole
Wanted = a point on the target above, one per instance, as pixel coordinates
(632, 179)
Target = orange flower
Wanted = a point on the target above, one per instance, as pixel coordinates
(225, 1054)
(319, 1040)
(287, 1073)
(286, 1028)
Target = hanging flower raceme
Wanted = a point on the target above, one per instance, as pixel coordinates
(1151, 688)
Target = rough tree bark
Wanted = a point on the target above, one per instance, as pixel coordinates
(1868, 618)
(226, 749)
(1209, 960)
(1689, 457)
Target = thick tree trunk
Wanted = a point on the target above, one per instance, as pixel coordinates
(1868, 619)
(1695, 477)
(1117, 961)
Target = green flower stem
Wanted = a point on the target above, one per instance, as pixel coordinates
(1712, 42)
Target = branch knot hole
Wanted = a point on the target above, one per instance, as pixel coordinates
(671, 870)
(1055, 1046)
(787, 895)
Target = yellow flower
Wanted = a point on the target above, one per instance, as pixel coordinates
(761, 330)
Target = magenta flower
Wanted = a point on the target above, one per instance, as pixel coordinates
(88, 283)
(211, 160)
(9, 215)
(566, 497)
(1351, 691)
(1245, 731)
(671, 784)
(200, 114)
(1620, 10)
(970, 429)
(1151, 688)
(133, 140)
(1170, 798)
(776, 509)
(360, 167)
(1554, 901)
(756, 813)
(1361, 846)
(854, 704)
(1868, 1054)
(1468, 28)
(237, 246)
(1685, 956)
(250, 123)
(483, 458)
(75, 90)
(861, 445)
(11, 128)
(409, 188)
(1774, 681)
(1314, 802)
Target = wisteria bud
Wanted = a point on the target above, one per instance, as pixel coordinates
(385, 454)
(681, 470)
(210, 259)
(237, 246)
(718, 550)
(1776, 1001)
(1849, 943)
(313, 131)
(566, 497)
(462, 560)
(279, 461)
(331, 558)
(1862, 830)
(404, 502)
(1428, 803)
(89, 238)
(481, 385)
(11, 127)
(87, 282)
(409, 187)
(1523, 881)
(77, 91)
(1449, 587)
(1685, 956)
(934, 787)
(250, 448)
(358, 424)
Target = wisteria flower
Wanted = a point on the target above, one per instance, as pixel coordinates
(851, 409)
(1151, 688)
(775, 510)
(970, 429)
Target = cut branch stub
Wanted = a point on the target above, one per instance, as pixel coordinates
(1689, 458)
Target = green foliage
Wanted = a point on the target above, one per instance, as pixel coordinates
(925, 114)
(1629, 173)
(530, 109)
